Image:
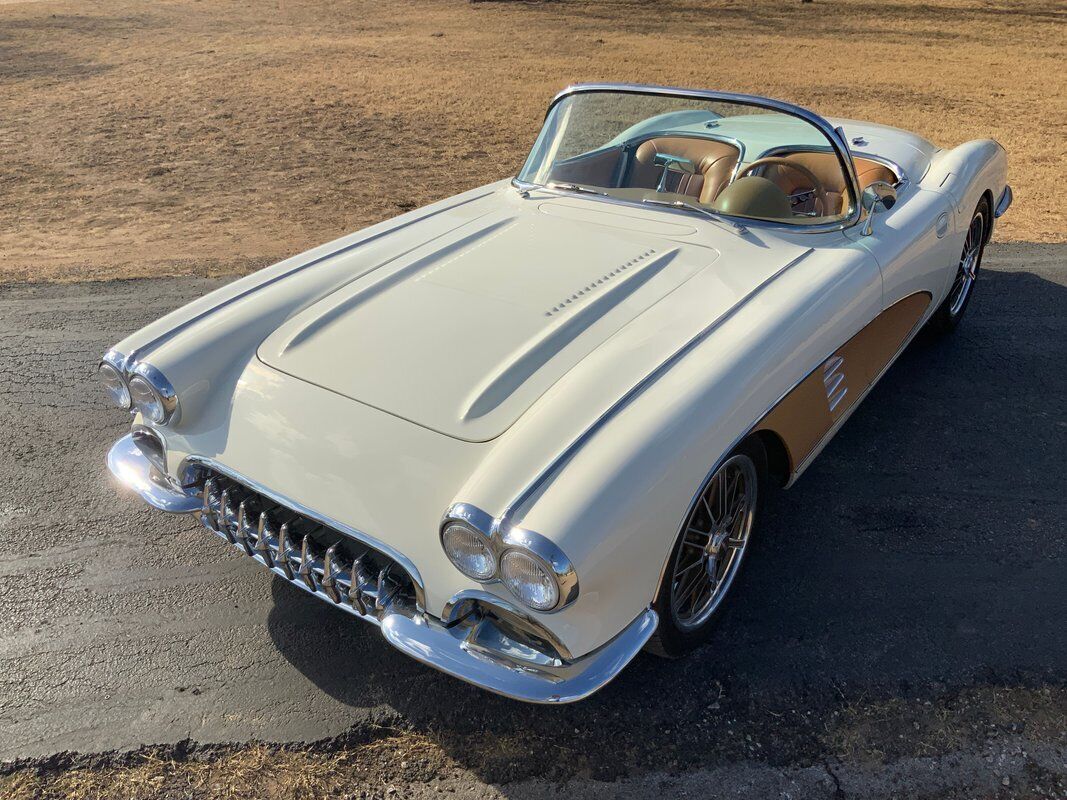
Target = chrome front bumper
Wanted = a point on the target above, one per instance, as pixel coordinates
(475, 642)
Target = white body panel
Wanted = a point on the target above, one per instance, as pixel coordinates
(382, 377)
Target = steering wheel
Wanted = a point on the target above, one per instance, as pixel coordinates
(777, 161)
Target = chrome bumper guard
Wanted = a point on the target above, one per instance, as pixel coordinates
(483, 641)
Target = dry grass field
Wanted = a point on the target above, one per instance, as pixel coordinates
(200, 136)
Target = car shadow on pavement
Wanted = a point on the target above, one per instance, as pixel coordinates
(922, 553)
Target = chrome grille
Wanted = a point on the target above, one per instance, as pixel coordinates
(343, 570)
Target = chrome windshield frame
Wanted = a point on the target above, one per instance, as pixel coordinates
(835, 136)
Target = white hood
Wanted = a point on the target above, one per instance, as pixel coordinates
(463, 333)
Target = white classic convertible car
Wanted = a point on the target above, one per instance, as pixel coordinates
(526, 430)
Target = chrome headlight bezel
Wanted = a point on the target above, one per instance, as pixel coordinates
(505, 539)
(161, 391)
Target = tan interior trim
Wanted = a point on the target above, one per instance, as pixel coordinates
(804, 416)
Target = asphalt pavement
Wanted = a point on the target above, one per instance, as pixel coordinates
(923, 556)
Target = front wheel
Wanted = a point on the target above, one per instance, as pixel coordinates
(951, 311)
(708, 552)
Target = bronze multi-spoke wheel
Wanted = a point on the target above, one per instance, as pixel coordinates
(949, 314)
(709, 550)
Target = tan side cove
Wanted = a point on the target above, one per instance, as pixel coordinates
(806, 415)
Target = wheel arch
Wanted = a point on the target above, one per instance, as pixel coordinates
(779, 459)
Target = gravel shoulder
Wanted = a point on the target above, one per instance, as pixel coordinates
(902, 615)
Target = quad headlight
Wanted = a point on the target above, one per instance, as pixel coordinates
(528, 579)
(144, 388)
(114, 384)
(469, 551)
(529, 565)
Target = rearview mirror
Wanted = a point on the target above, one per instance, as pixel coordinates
(879, 194)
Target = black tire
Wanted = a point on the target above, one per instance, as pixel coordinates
(951, 311)
(675, 635)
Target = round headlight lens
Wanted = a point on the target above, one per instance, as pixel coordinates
(146, 400)
(529, 581)
(469, 551)
(115, 385)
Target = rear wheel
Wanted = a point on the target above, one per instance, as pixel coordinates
(708, 553)
(951, 311)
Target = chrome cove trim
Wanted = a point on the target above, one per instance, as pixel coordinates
(502, 537)
(833, 135)
(519, 504)
(1004, 203)
(321, 519)
(467, 646)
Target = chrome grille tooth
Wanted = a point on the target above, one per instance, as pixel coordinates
(332, 566)
(355, 587)
(242, 521)
(207, 512)
(263, 536)
(381, 598)
(307, 571)
(225, 512)
(283, 551)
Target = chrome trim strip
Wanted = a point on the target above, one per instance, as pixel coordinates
(549, 472)
(340, 527)
(832, 134)
(1004, 203)
(166, 335)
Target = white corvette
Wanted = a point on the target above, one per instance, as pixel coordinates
(526, 430)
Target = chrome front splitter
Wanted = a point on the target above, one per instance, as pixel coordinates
(473, 645)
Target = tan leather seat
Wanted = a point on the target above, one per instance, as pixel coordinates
(828, 170)
(715, 162)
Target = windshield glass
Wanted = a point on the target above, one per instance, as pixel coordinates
(726, 157)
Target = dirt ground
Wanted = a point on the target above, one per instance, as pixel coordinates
(854, 749)
(208, 136)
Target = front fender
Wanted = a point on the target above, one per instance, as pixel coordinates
(616, 507)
